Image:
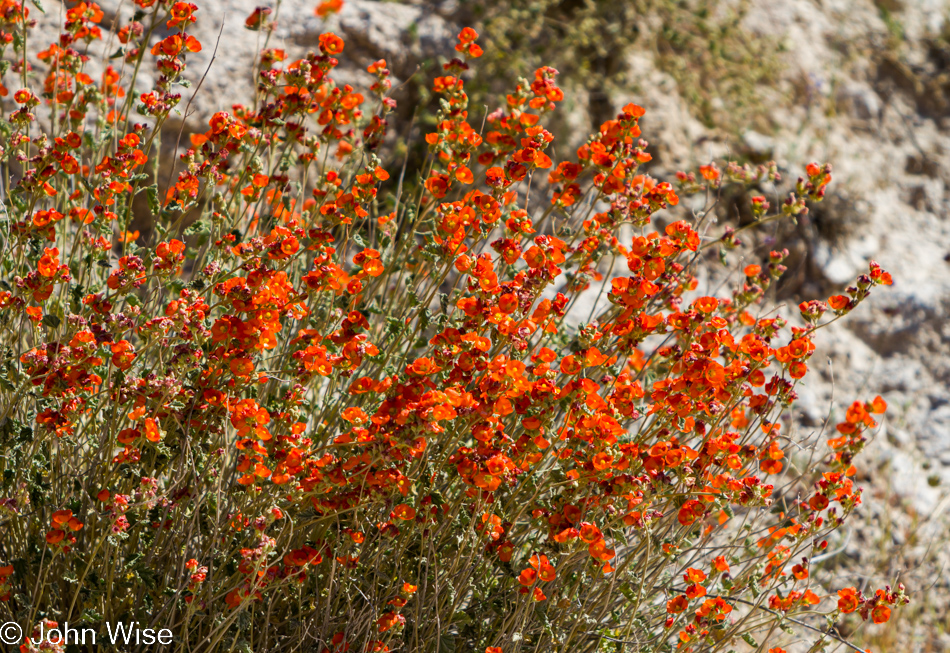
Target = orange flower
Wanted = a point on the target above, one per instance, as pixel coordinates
(590, 533)
(437, 184)
(772, 466)
(467, 43)
(534, 257)
(720, 564)
(715, 374)
(547, 573)
(508, 303)
(182, 13)
(878, 406)
(879, 276)
(354, 414)
(423, 367)
(331, 44)
(695, 591)
(373, 267)
(818, 502)
(49, 262)
(798, 348)
(404, 512)
(839, 302)
(599, 551)
(390, 620)
(123, 354)
(570, 365)
(152, 432)
(241, 366)
(467, 35)
(677, 604)
(797, 370)
(694, 575)
(848, 600)
(528, 577)
(880, 613)
(706, 304)
(690, 512)
(328, 7)
(709, 172)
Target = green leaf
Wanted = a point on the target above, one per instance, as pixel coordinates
(198, 227)
(153, 204)
(394, 327)
(51, 321)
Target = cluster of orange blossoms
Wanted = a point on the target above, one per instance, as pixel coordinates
(367, 404)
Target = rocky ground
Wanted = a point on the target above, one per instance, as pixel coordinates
(863, 85)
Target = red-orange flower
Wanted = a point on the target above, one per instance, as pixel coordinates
(404, 512)
(690, 512)
(49, 262)
(848, 600)
(528, 577)
(328, 7)
(331, 44)
(677, 604)
(880, 613)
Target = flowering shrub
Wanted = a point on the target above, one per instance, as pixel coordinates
(330, 409)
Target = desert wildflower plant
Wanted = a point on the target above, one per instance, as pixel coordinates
(324, 406)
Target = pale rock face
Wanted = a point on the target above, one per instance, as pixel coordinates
(860, 100)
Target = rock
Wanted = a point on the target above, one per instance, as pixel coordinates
(759, 146)
(936, 427)
(402, 34)
(838, 266)
(907, 482)
(859, 100)
(812, 405)
(899, 437)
